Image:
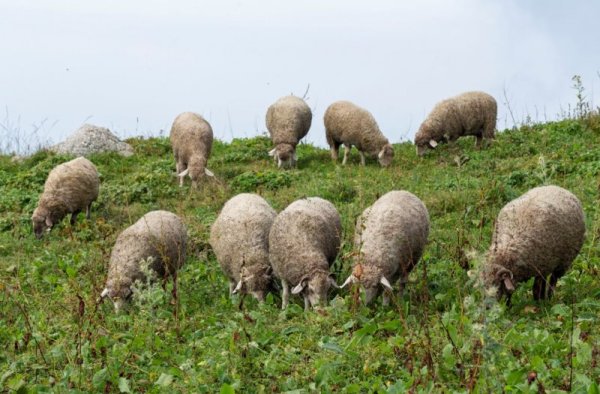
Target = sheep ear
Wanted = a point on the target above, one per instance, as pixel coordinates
(104, 293)
(380, 155)
(272, 152)
(279, 163)
(184, 173)
(351, 279)
(48, 221)
(508, 283)
(300, 286)
(432, 143)
(386, 283)
(208, 172)
(237, 288)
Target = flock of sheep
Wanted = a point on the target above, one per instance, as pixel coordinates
(537, 235)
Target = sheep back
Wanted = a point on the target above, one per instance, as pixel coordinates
(304, 237)
(70, 187)
(347, 123)
(240, 234)
(538, 234)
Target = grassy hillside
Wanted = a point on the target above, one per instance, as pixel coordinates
(442, 335)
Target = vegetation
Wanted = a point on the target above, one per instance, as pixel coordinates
(444, 334)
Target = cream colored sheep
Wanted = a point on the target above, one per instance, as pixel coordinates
(191, 138)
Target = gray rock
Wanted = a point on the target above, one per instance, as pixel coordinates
(90, 139)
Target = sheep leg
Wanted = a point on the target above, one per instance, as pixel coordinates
(334, 152)
(553, 280)
(346, 152)
(231, 287)
(386, 298)
(306, 303)
(478, 140)
(88, 211)
(74, 217)
(539, 288)
(285, 294)
(362, 158)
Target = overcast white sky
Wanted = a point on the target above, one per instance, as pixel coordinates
(133, 66)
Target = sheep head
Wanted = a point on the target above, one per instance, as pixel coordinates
(371, 279)
(386, 155)
(315, 287)
(284, 154)
(254, 280)
(42, 222)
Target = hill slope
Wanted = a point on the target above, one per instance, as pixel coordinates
(443, 334)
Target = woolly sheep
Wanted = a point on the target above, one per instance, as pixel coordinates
(391, 236)
(159, 239)
(536, 235)
(288, 121)
(70, 187)
(349, 124)
(191, 138)
(303, 243)
(471, 113)
(240, 239)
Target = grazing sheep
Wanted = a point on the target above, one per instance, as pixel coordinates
(349, 124)
(191, 138)
(240, 239)
(71, 187)
(288, 121)
(159, 239)
(536, 235)
(471, 113)
(303, 243)
(390, 235)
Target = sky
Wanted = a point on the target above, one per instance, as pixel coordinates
(133, 66)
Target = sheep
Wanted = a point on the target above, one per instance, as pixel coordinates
(159, 239)
(470, 113)
(536, 235)
(303, 243)
(191, 138)
(240, 239)
(288, 121)
(70, 188)
(390, 236)
(349, 124)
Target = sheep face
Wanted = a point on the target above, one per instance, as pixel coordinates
(284, 154)
(423, 139)
(254, 280)
(371, 280)
(315, 288)
(386, 155)
(118, 293)
(41, 222)
(499, 277)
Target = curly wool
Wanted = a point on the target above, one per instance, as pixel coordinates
(470, 113)
(305, 237)
(288, 121)
(191, 138)
(349, 124)
(158, 235)
(240, 237)
(391, 236)
(70, 187)
(537, 234)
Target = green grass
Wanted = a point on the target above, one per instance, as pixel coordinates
(442, 335)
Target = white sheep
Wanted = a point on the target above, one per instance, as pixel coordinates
(158, 237)
(240, 239)
(70, 187)
(288, 121)
(470, 113)
(536, 235)
(303, 243)
(191, 138)
(349, 124)
(390, 236)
